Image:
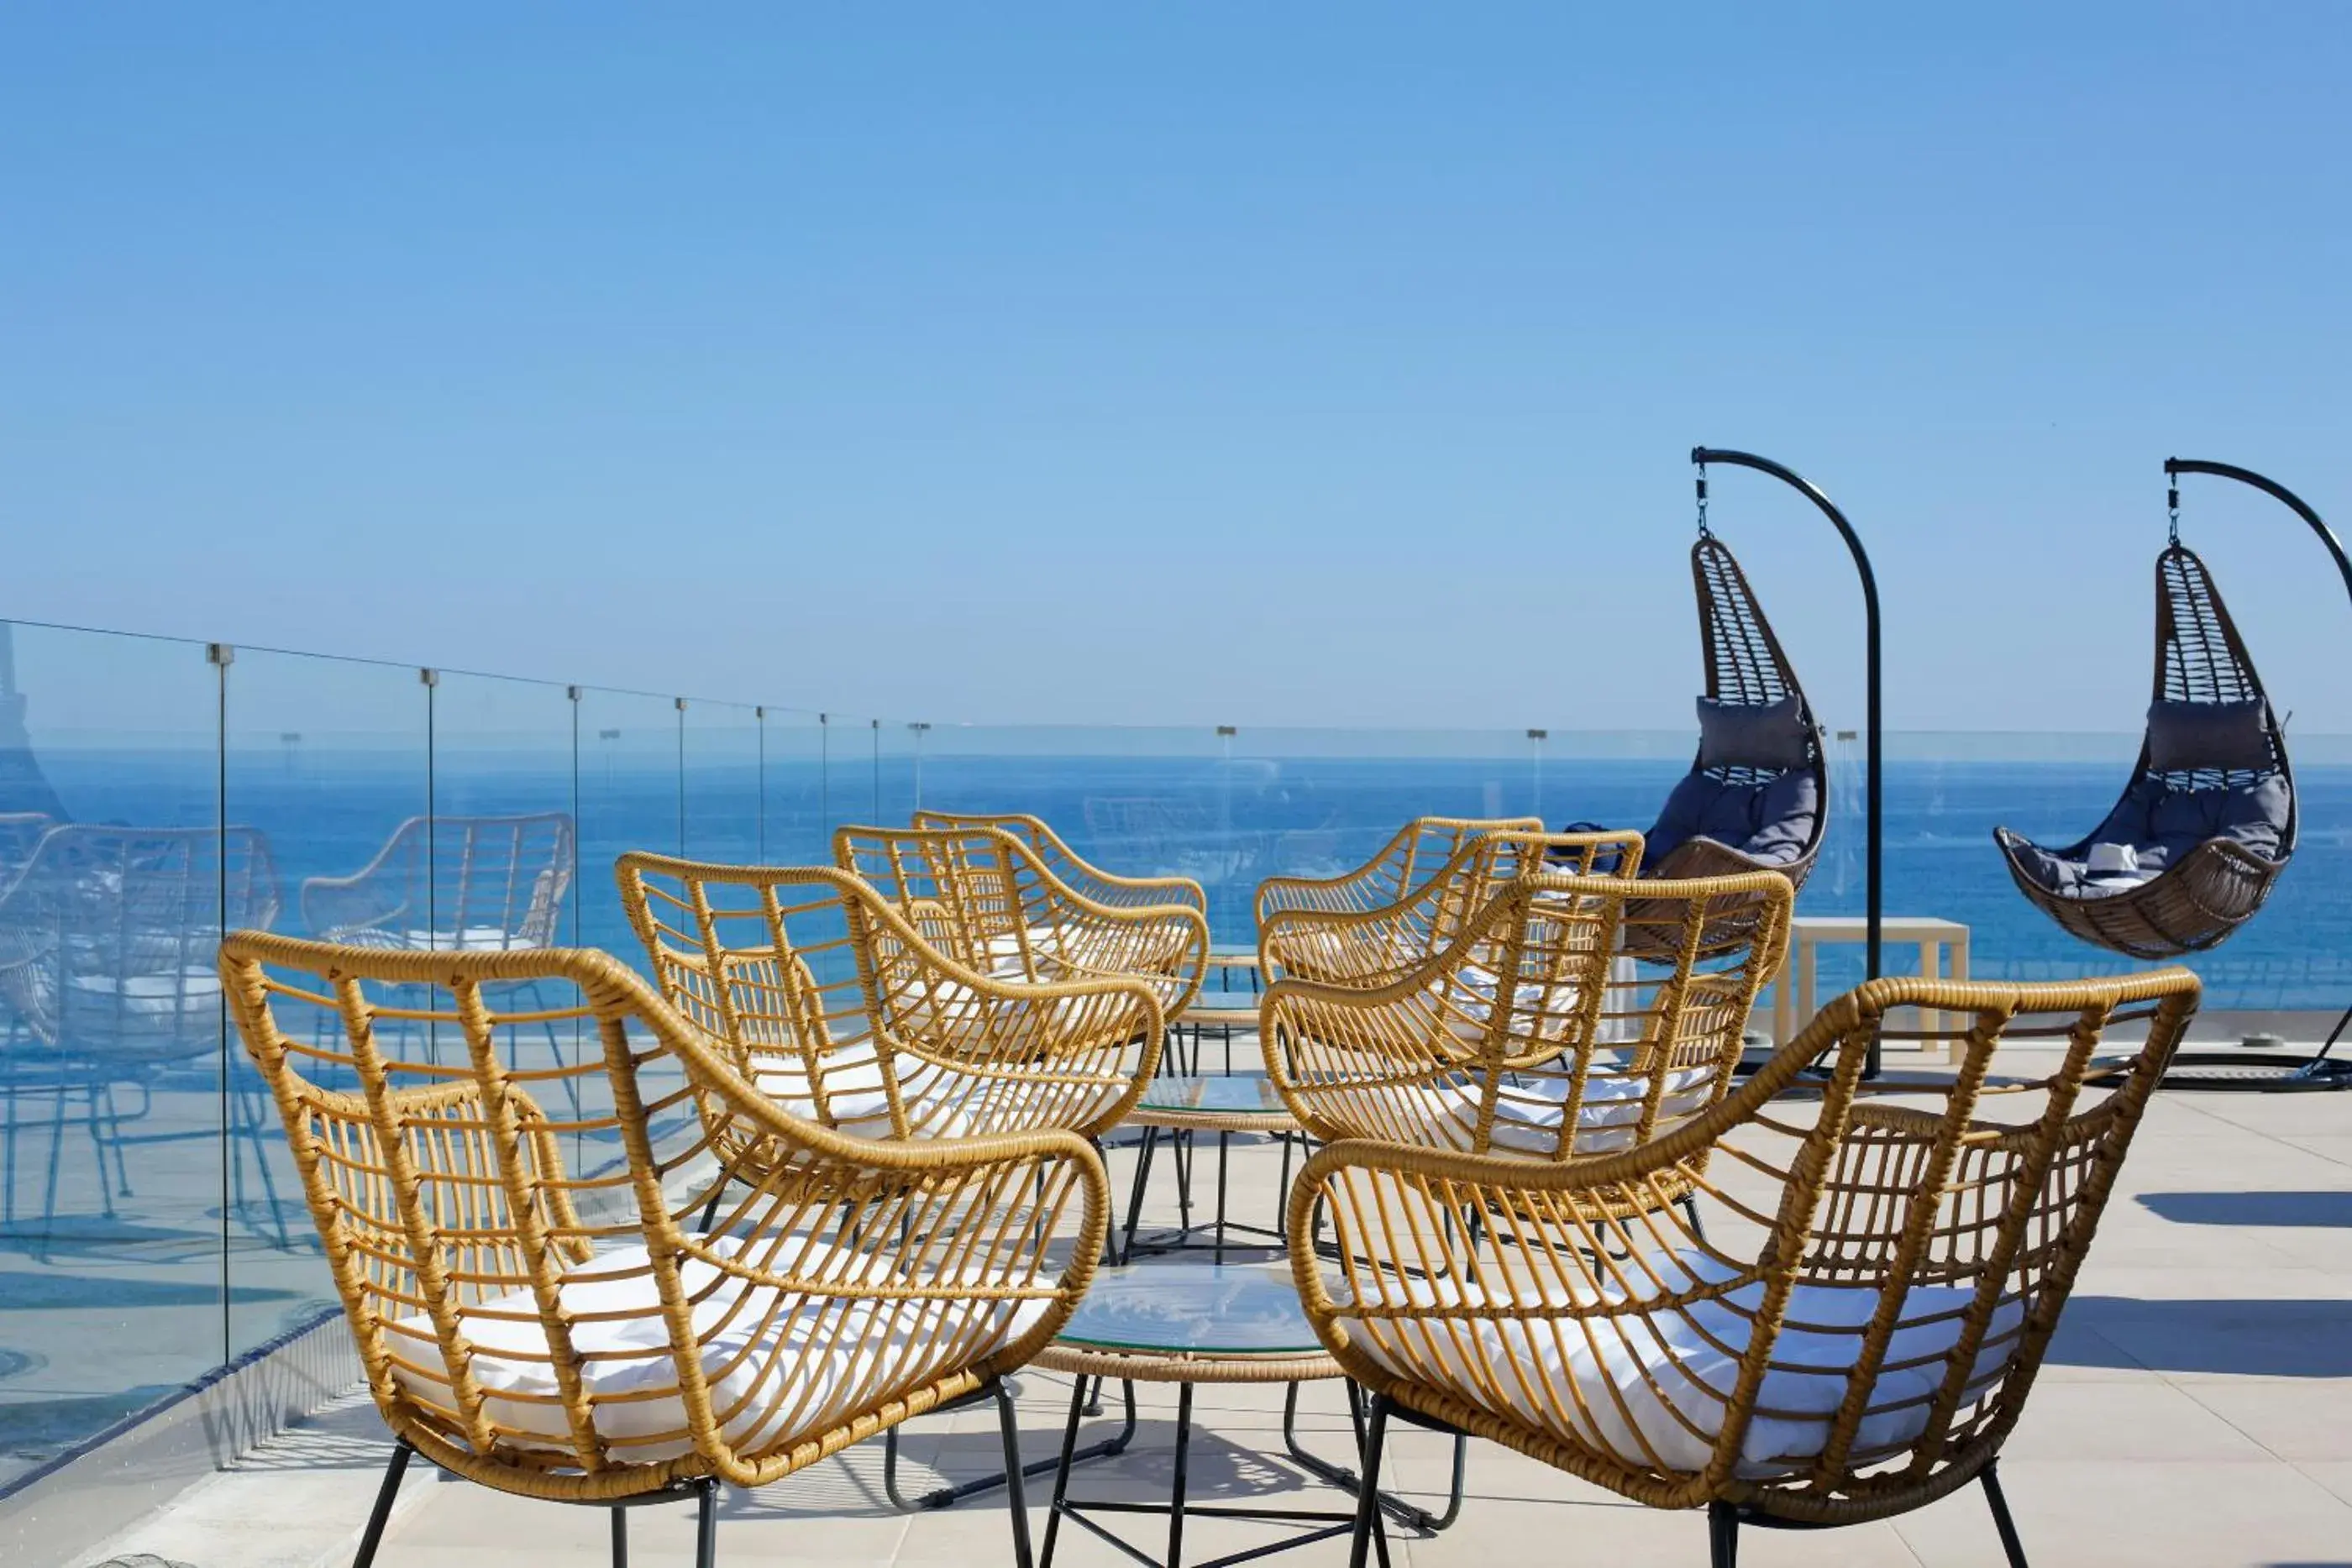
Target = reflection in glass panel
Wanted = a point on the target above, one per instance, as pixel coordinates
(504, 851)
(851, 777)
(795, 829)
(112, 1178)
(898, 771)
(722, 782)
(629, 800)
(327, 759)
(1132, 801)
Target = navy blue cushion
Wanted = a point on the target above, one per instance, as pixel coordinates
(2161, 825)
(2222, 736)
(1772, 821)
(1751, 735)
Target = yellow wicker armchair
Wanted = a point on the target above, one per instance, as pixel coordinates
(985, 898)
(1402, 866)
(1529, 1036)
(1370, 947)
(1853, 1336)
(827, 999)
(1076, 873)
(531, 1305)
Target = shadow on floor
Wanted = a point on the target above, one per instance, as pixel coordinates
(2247, 1339)
(850, 1484)
(2320, 1210)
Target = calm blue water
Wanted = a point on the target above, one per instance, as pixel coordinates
(1229, 824)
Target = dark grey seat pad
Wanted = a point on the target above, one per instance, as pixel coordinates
(2162, 825)
(1770, 822)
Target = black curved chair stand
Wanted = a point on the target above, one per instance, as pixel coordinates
(2269, 1072)
(1873, 873)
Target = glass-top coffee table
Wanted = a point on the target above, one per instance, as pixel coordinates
(1179, 1107)
(1189, 1323)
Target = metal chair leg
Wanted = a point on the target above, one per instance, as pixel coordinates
(1062, 1471)
(1016, 1499)
(373, 1535)
(2010, 1543)
(1722, 1535)
(1368, 1523)
(619, 1538)
(705, 1525)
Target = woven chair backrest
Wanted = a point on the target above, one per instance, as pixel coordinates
(1526, 1034)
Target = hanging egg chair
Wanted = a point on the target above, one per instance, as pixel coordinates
(2208, 821)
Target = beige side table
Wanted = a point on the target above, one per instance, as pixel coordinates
(1943, 955)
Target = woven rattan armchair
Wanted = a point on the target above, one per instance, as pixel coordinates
(1370, 947)
(1404, 863)
(1077, 874)
(827, 999)
(982, 896)
(1526, 1036)
(1851, 1337)
(533, 1307)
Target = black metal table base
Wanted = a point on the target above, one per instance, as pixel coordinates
(1179, 1239)
(948, 1495)
(1325, 1524)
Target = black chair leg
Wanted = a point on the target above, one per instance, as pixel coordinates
(1016, 1499)
(619, 1538)
(2010, 1543)
(1368, 1523)
(710, 1209)
(706, 1524)
(384, 1495)
(1722, 1535)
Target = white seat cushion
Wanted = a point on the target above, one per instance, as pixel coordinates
(1528, 1112)
(780, 1363)
(471, 939)
(160, 995)
(860, 1106)
(942, 1102)
(1665, 1378)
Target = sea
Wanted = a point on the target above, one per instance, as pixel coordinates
(1227, 822)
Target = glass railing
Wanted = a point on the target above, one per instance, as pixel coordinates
(152, 791)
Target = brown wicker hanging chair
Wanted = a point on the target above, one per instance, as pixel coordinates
(1757, 796)
(2208, 821)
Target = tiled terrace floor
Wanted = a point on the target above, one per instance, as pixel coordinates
(2197, 1410)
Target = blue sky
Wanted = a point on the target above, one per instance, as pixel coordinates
(1175, 365)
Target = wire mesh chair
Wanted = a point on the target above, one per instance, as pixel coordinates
(107, 943)
(985, 898)
(1366, 947)
(1077, 874)
(1853, 1334)
(452, 885)
(828, 1001)
(533, 1306)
